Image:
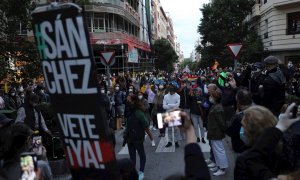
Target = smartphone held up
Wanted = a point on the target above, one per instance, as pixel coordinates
(28, 163)
(169, 119)
(296, 113)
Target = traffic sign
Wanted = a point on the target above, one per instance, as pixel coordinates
(108, 57)
(235, 49)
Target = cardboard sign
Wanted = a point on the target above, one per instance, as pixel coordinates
(70, 76)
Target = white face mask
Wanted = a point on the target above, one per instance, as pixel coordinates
(22, 96)
(117, 88)
(108, 92)
(13, 94)
(161, 86)
(130, 90)
(140, 97)
(238, 74)
(42, 91)
(102, 91)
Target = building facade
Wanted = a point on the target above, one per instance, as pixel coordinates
(119, 26)
(278, 24)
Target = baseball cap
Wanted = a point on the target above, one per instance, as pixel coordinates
(271, 60)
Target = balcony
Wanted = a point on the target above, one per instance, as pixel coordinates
(255, 14)
(116, 38)
(130, 15)
(256, 11)
(285, 4)
(132, 11)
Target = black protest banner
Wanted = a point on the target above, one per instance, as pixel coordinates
(70, 76)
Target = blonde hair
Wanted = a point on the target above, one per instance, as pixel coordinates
(256, 119)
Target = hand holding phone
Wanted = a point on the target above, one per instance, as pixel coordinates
(296, 113)
(169, 119)
(28, 163)
(286, 121)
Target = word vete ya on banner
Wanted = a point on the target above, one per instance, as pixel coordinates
(70, 75)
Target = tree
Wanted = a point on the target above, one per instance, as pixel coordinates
(222, 23)
(166, 55)
(188, 62)
(15, 46)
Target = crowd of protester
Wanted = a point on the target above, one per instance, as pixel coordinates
(248, 104)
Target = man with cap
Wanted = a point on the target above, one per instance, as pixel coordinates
(273, 86)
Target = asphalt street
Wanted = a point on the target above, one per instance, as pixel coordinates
(163, 162)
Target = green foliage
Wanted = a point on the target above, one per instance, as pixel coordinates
(166, 55)
(13, 46)
(188, 62)
(222, 24)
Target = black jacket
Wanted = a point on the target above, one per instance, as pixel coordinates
(184, 98)
(233, 131)
(274, 90)
(261, 161)
(195, 166)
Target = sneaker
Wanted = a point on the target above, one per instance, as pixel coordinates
(141, 175)
(211, 165)
(176, 144)
(203, 141)
(220, 172)
(169, 144)
(198, 139)
(154, 129)
(208, 161)
(153, 143)
(214, 169)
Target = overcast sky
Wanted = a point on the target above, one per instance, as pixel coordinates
(186, 18)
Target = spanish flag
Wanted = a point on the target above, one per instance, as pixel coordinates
(215, 66)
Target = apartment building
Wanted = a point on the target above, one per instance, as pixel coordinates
(278, 24)
(170, 33)
(160, 21)
(120, 26)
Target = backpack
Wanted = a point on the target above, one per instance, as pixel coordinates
(135, 131)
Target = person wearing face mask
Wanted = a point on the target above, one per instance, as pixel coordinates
(112, 114)
(158, 105)
(105, 100)
(22, 97)
(146, 105)
(151, 92)
(172, 101)
(244, 101)
(273, 86)
(256, 82)
(12, 101)
(31, 116)
(216, 133)
(256, 120)
(43, 96)
(120, 99)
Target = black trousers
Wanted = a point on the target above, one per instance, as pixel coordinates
(139, 147)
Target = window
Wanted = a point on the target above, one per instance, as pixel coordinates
(265, 1)
(293, 23)
(267, 29)
(99, 25)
